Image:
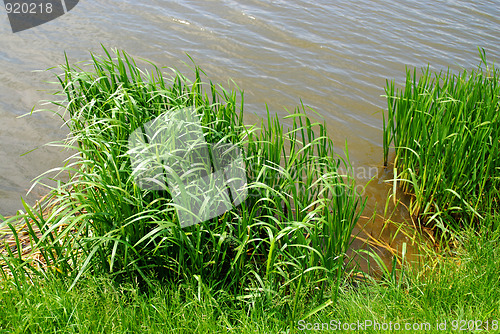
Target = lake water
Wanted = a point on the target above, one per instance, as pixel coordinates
(334, 56)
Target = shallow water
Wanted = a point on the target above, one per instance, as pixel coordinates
(333, 56)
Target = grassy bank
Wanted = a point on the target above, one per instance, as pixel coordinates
(113, 255)
(454, 290)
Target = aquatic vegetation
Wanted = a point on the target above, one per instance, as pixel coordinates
(292, 230)
(445, 131)
(112, 255)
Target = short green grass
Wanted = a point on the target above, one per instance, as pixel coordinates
(462, 287)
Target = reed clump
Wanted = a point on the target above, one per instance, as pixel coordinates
(445, 130)
(292, 230)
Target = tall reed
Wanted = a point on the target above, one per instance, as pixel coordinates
(445, 130)
(294, 227)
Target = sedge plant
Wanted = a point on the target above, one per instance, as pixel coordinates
(445, 131)
(289, 236)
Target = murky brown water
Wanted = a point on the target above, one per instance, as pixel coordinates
(335, 56)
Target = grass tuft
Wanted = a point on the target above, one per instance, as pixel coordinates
(291, 233)
(445, 130)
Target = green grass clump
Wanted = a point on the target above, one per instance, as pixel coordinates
(291, 232)
(445, 130)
